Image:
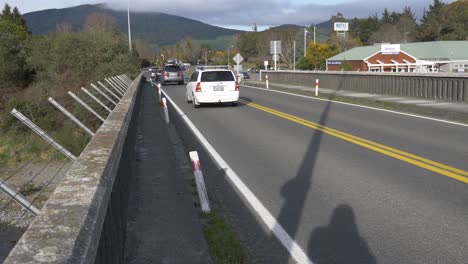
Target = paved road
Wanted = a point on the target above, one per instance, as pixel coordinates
(345, 200)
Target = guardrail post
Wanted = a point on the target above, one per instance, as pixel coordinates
(115, 81)
(114, 85)
(118, 82)
(103, 94)
(96, 99)
(199, 182)
(85, 105)
(18, 198)
(42, 134)
(109, 91)
(119, 91)
(70, 115)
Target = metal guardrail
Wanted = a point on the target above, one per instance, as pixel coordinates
(439, 86)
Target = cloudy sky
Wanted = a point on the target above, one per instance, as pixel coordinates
(242, 14)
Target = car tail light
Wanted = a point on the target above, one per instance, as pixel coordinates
(237, 86)
(164, 73)
(198, 88)
(181, 73)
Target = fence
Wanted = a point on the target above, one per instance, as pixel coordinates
(451, 87)
(25, 249)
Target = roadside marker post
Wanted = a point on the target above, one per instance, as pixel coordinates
(200, 182)
(316, 86)
(166, 111)
(159, 91)
(266, 81)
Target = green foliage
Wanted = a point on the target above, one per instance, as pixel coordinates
(346, 66)
(317, 54)
(225, 247)
(14, 35)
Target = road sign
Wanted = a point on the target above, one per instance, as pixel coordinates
(275, 57)
(238, 58)
(341, 26)
(277, 46)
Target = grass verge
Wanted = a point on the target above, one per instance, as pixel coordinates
(225, 247)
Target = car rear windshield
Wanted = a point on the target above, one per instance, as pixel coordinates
(172, 68)
(217, 76)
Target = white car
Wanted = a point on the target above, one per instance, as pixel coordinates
(212, 86)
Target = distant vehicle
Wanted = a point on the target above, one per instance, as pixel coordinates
(212, 86)
(159, 74)
(245, 75)
(172, 73)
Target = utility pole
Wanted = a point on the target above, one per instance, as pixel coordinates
(129, 31)
(314, 34)
(305, 44)
(294, 59)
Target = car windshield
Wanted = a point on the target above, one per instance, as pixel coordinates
(172, 68)
(217, 76)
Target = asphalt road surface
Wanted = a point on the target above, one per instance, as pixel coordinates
(349, 184)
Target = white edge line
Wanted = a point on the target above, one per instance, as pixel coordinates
(268, 219)
(362, 106)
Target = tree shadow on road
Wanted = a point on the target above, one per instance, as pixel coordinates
(339, 242)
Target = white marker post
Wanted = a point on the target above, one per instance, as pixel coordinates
(266, 81)
(200, 182)
(159, 91)
(316, 86)
(166, 111)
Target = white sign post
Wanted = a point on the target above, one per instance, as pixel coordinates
(275, 49)
(266, 65)
(238, 59)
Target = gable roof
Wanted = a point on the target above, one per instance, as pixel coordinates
(434, 50)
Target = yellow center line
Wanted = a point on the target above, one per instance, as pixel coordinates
(422, 162)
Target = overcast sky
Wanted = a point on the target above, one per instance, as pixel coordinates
(242, 14)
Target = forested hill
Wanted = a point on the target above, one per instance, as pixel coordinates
(156, 28)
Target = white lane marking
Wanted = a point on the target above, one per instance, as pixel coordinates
(362, 106)
(297, 253)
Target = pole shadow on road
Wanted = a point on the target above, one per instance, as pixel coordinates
(295, 192)
(339, 242)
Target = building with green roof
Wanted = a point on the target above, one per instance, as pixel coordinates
(435, 56)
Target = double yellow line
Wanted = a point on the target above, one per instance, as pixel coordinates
(428, 164)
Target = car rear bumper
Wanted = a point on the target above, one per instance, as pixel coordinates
(173, 79)
(224, 98)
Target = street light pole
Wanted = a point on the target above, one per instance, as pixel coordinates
(129, 31)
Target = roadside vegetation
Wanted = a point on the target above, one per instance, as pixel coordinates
(36, 67)
(440, 21)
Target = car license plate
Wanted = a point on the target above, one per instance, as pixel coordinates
(218, 88)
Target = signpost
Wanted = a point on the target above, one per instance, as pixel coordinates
(238, 59)
(275, 49)
(341, 28)
(266, 65)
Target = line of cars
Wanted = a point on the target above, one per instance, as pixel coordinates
(214, 85)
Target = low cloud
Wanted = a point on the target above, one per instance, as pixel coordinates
(267, 12)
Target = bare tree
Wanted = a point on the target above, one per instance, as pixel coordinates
(100, 22)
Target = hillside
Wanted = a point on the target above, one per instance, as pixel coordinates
(158, 29)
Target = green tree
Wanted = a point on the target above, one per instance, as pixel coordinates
(346, 66)
(14, 35)
(317, 54)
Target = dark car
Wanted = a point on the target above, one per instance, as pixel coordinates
(245, 75)
(172, 73)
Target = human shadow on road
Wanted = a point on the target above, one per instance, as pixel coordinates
(296, 189)
(339, 242)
